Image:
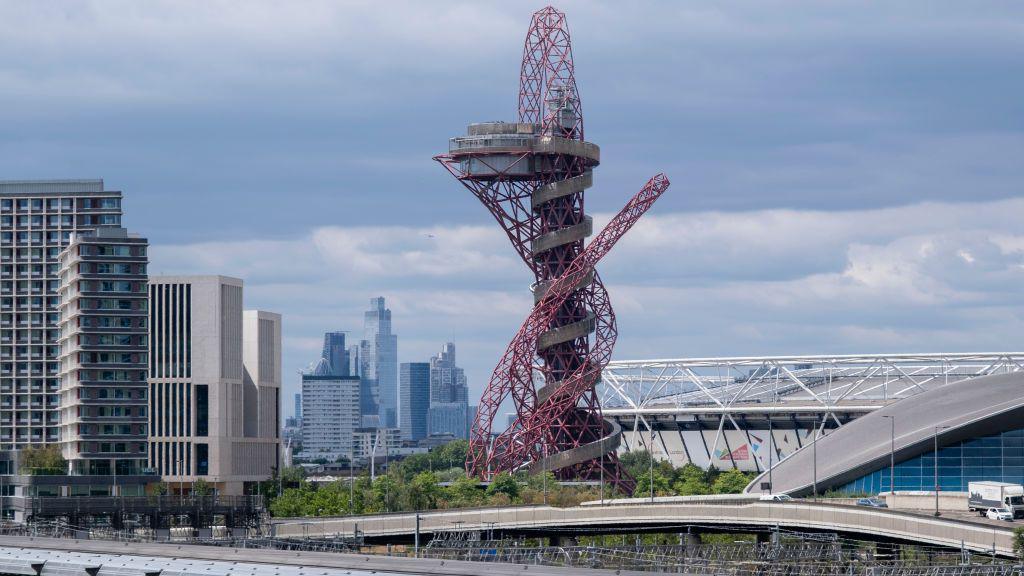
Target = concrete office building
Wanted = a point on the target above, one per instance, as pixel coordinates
(378, 358)
(200, 396)
(259, 451)
(330, 413)
(37, 219)
(103, 318)
(449, 395)
(414, 401)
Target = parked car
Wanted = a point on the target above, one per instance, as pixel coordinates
(776, 497)
(1000, 514)
(872, 503)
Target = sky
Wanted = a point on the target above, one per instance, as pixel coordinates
(846, 176)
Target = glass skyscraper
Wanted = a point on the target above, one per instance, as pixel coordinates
(414, 383)
(336, 354)
(449, 402)
(378, 360)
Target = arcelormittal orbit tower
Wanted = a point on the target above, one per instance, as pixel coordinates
(531, 175)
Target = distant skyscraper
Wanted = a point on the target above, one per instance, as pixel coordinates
(355, 367)
(378, 359)
(336, 354)
(37, 219)
(298, 406)
(449, 396)
(414, 382)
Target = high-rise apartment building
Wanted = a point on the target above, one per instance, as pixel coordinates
(330, 413)
(449, 395)
(213, 391)
(103, 347)
(336, 354)
(379, 367)
(37, 219)
(414, 384)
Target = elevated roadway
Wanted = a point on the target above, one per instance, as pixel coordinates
(635, 516)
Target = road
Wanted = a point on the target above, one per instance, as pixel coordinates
(756, 516)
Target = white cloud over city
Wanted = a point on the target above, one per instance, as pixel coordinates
(846, 176)
(924, 277)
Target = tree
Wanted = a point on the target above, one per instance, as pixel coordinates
(291, 503)
(201, 488)
(412, 465)
(39, 460)
(464, 492)
(504, 483)
(422, 492)
(690, 481)
(384, 495)
(328, 500)
(451, 455)
(730, 482)
(1018, 542)
(662, 486)
(639, 461)
(363, 491)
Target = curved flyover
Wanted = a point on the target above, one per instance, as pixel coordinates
(709, 515)
(962, 410)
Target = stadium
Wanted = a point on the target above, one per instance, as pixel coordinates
(828, 422)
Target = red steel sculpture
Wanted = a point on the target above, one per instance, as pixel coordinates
(531, 175)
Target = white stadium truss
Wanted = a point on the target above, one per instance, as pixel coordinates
(826, 391)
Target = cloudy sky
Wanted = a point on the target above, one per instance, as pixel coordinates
(847, 177)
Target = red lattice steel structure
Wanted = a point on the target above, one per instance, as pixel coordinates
(531, 175)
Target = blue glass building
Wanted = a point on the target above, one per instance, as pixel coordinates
(997, 457)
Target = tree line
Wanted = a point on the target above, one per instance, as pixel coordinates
(438, 481)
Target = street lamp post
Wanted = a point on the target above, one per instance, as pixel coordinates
(771, 436)
(892, 455)
(814, 458)
(771, 449)
(818, 431)
(544, 471)
(935, 467)
(650, 455)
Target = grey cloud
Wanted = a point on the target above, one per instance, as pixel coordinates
(934, 276)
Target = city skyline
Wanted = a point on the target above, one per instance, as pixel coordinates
(907, 185)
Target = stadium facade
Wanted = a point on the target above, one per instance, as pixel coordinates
(835, 414)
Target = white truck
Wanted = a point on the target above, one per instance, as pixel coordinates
(985, 495)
